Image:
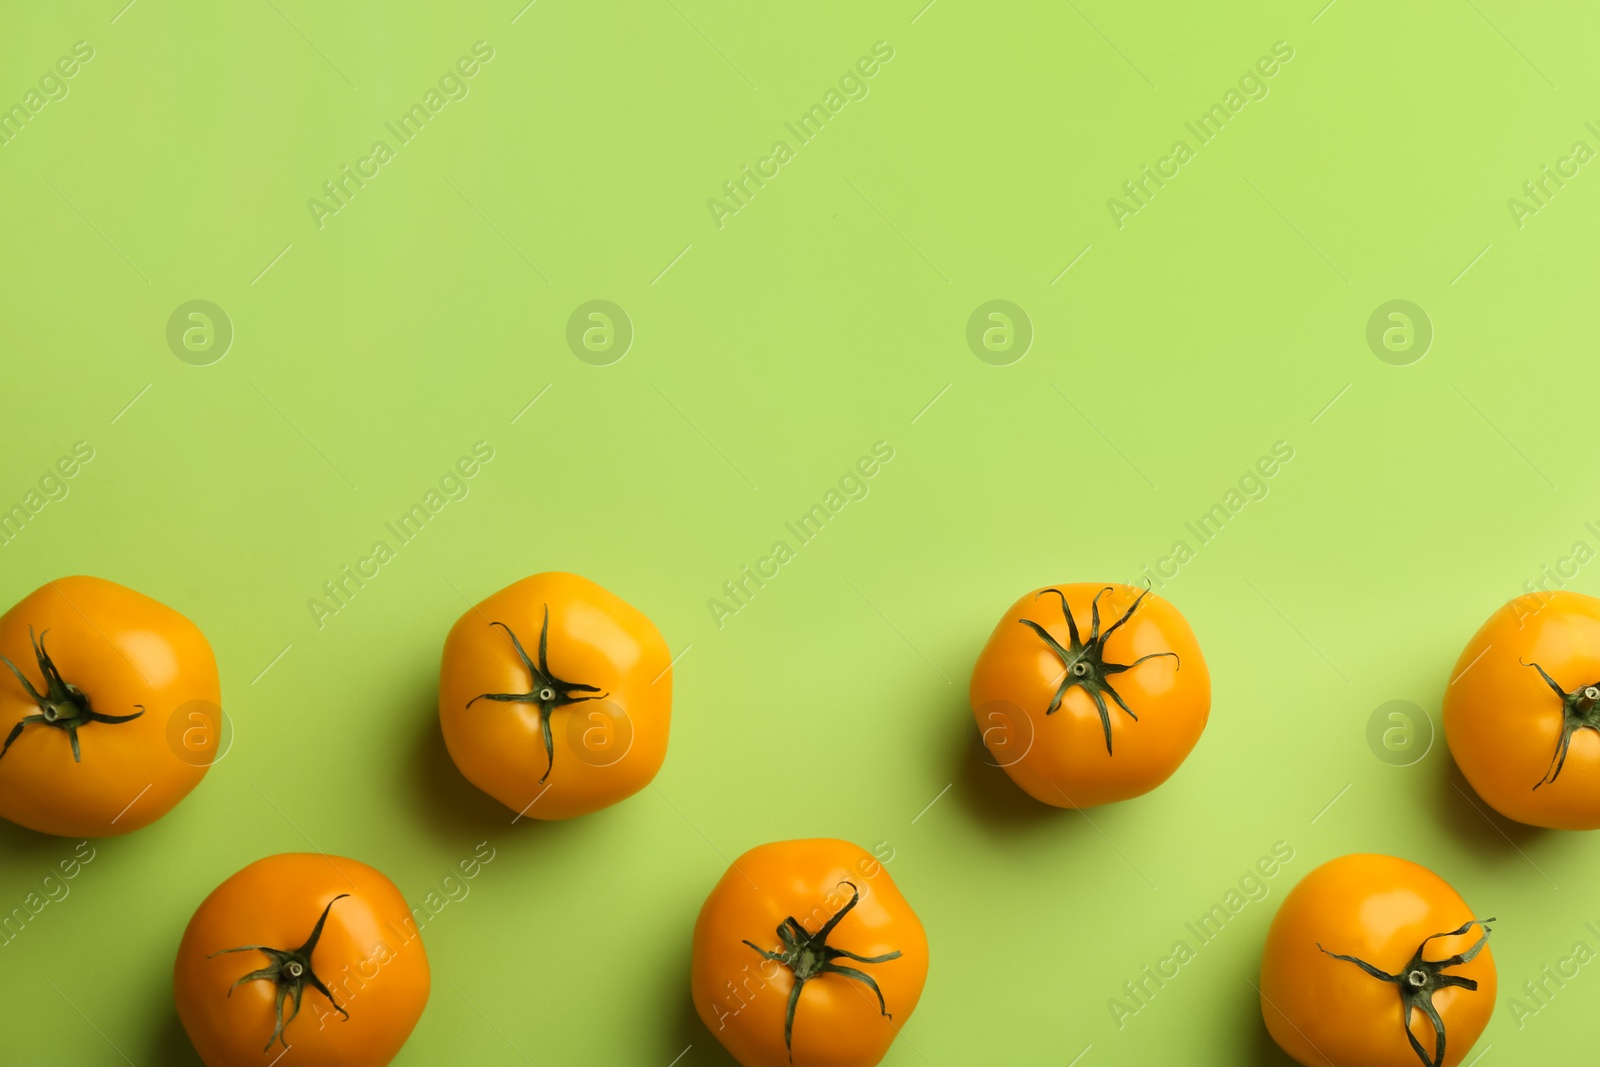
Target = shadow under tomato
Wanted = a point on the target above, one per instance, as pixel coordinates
(983, 787)
(447, 804)
(22, 849)
(1266, 1052)
(690, 1035)
(1467, 816)
(170, 1045)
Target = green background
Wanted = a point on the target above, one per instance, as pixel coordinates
(768, 356)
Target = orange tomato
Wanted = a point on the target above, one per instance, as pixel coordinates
(301, 932)
(555, 697)
(1522, 711)
(806, 953)
(110, 709)
(1089, 693)
(1361, 955)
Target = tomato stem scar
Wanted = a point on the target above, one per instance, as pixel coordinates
(1419, 979)
(808, 955)
(547, 691)
(291, 971)
(62, 704)
(1084, 661)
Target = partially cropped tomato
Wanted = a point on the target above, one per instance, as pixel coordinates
(1090, 693)
(1373, 961)
(109, 709)
(555, 697)
(805, 953)
(304, 951)
(1522, 711)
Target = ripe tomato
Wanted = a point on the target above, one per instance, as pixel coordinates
(301, 931)
(806, 953)
(1374, 961)
(1090, 693)
(555, 697)
(1522, 712)
(105, 688)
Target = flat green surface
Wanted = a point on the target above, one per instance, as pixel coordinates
(830, 312)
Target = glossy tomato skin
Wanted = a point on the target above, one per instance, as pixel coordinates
(370, 956)
(1503, 721)
(605, 750)
(1061, 758)
(1329, 1013)
(742, 998)
(123, 650)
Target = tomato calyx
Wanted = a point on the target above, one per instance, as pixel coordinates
(62, 705)
(809, 955)
(548, 692)
(291, 971)
(1580, 709)
(1083, 662)
(1419, 979)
